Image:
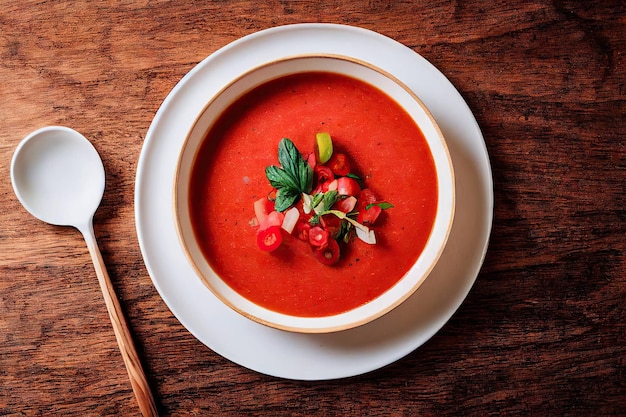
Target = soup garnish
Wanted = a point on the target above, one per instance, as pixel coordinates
(317, 198)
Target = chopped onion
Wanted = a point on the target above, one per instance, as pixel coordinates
(291, 218)
(319, 208)
(307, 201)
(366, 236)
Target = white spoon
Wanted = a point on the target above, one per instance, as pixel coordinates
(58, 177)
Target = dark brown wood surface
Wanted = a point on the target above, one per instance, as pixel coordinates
(542, 332)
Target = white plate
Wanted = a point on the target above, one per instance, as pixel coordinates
(313, 356)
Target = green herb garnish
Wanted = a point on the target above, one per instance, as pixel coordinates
(292, 178)
(330, 198)
(383, 205)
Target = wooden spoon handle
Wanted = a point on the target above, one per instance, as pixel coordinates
(122, 333)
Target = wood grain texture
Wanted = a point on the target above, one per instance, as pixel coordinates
(543, 330)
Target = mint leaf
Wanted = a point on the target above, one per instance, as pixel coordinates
(288, 156)
(279, 178)
(292, 178)
(285, 198)
(292, 162)
(306, 175)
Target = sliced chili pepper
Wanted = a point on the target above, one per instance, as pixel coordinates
(318, 237)
(330, 254)
(270, 239)
(302, 230)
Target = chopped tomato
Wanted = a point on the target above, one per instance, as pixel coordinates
(274, 218)
(270, 238)
(368, 216)
(339, 164)
(330, 254)
(348, 186)
(318, 237)
(262, 208)
(346, 205)
(310, 159)
(329, 186)
(323, 176)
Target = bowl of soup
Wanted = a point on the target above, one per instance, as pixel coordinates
(314, 194)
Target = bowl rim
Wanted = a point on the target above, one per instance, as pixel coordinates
(326, 328)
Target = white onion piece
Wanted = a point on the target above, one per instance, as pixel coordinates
(307, 203)
(291, 218)
(366, 236)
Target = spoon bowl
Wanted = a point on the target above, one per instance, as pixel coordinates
(59, 178)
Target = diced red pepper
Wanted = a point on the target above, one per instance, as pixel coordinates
(275, 218)
(368, 216)
(328, 255)
(346, 205)
(270, 239)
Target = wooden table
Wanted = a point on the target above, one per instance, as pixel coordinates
(542, 331)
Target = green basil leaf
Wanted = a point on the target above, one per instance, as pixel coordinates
(279, 178)
(285, 198)
(288, 156)
(294, 165)
(306, 176)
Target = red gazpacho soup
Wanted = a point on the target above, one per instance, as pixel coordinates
(388, 155)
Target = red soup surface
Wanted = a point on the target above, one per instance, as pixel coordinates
(390, 154)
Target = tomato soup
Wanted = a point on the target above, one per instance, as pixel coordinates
(389, 152)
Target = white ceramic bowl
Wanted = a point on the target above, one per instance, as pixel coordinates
(445, 182)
